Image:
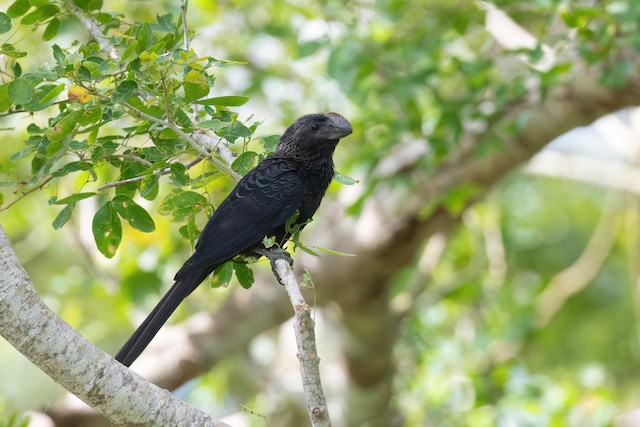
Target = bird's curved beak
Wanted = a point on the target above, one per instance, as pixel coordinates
(339, 126)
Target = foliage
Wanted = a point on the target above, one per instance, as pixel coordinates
(128, 102)
(416, 76)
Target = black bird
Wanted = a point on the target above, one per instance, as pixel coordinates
(294, 178)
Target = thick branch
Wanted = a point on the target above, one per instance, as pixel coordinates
(72, 361)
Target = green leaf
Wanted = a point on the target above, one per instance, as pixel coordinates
(42, 13)
(16, 157)
(213, 124)
(84, 73)
(58, 55)
(244, 274)
(18, 8)
(166, 22)
(135, 214)
(268, 241)
(245, 162)
(306, 249)
(149, 186)
(90, 116)
(20, 91)
(63, 217)
(190, 231)
(168, 133)
(5, 102)
(124, 91)
(73, 198)
(224, 101)
(222, 275)
(179, 173)
(234, 131)
(344, 179)
(270, 142)
(52, 94)
(130, 51)
(88, 5)
(181, 204)
(52, 29)
(63, 127)
(107, 230)
(307, 282)
(9, 50)
(5, 23)
(332, 252)
(73, 167)
(195, 86)
(7, 181)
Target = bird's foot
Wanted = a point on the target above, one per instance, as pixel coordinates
(273, 255)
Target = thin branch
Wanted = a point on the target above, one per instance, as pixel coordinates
(165, 171)
(185, 29)
(134, 158)
(94, 30)
(11, 111)
(578, 275)
(214, 142)
(183, 10)
(303, 325)
(26, 193)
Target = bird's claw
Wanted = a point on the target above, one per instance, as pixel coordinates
(273, 255)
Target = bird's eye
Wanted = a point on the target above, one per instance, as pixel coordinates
(315, 126)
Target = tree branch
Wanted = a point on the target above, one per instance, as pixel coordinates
(94, 30)
(198, 147)
(185, 29)
(76, 364)
(303, 326)
(578, 275)
(165, 171)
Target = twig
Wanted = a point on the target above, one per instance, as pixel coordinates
(94, 30)
(141, 177)
(578, 275)
(134, 158)
(185, 29)
(215, 143)
(303, 325)
(26, 193)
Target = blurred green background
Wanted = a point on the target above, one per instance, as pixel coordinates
(529, 316)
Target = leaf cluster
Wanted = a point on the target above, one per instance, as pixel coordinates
(119, 109)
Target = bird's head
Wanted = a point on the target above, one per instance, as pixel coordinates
(314, 133)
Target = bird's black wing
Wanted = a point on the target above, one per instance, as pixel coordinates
(263, 200)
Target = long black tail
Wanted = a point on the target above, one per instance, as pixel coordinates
(152, 324)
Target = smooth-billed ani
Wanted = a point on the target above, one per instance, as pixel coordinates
(294, 178)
